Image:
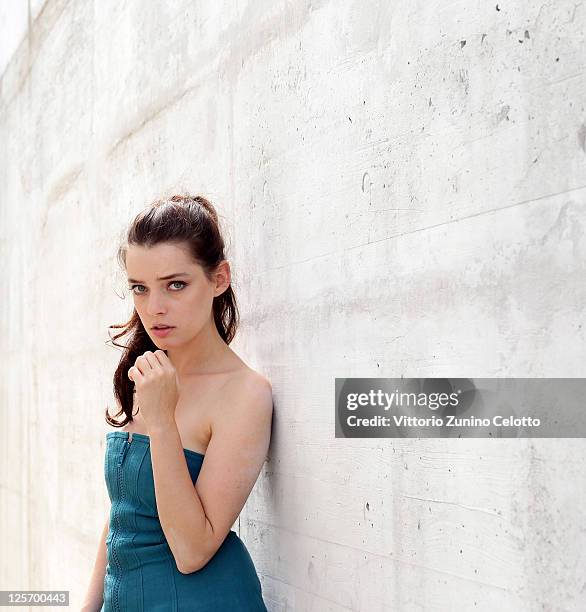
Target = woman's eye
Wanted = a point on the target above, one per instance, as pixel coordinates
(133, 287)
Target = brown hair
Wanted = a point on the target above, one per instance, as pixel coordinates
(178, 219)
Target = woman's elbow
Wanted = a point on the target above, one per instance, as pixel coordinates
(190, 566)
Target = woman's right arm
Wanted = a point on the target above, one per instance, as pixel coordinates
(94, 597)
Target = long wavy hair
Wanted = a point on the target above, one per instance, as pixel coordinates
(179, 219)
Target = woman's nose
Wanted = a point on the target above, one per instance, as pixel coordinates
(155, 305)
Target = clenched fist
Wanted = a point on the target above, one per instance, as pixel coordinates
(157, 387)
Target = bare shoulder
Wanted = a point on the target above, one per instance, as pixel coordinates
(249, 383)
(249, 390)
(246, 416)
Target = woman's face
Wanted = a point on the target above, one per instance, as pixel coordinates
(169, 288)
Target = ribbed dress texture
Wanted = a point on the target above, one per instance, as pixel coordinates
(141, 573)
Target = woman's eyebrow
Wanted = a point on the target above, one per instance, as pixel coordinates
(133, 280)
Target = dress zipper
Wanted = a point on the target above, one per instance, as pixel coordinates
(124, 449)
(121, 456)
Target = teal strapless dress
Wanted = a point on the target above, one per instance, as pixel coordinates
(141, 574)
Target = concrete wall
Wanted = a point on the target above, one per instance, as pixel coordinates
(405, 192)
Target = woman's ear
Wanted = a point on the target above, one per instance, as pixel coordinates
(222, 276)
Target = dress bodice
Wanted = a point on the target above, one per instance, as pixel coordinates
(141, 574)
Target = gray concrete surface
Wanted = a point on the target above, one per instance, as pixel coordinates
(404, 190)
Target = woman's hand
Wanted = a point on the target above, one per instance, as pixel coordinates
(157, 388)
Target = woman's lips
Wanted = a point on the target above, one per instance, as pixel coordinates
(162, 332)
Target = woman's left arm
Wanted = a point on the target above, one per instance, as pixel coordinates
(197, 519)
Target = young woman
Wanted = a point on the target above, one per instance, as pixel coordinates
(195, 430)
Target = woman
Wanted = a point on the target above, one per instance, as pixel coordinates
(195, 430)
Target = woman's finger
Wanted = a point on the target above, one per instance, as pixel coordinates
(161, 357)
(151, 359)
(144, 364)
(134, 373)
